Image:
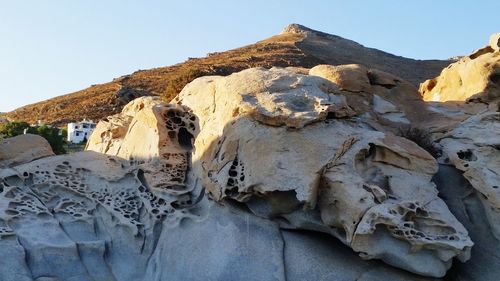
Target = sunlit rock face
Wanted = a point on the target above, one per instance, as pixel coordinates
(468, 134)
(370, 189)
(473, 78)
(265, 174)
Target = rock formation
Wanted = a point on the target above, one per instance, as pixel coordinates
(362, 186)
(473, 78)
(265, 174)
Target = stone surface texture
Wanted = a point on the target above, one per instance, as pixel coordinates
(265, 174)
(370, 189)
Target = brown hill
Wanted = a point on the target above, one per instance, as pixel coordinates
(295, 46)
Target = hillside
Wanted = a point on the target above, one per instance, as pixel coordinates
(295, 46)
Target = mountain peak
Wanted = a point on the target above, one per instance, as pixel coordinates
(307, 49)
(297, 29)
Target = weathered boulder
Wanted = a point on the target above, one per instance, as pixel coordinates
(472, 78)
(371, 190)
(356, 77)
(157, 135)
(23, 149)
(350, 77)
(382, 100)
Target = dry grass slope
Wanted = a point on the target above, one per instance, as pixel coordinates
(301, 49)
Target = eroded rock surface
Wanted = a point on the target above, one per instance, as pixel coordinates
(90, 216)
(473, 148)
(372, 190)
(468, 206)
(469, 132)
(86, 216)
(265, 174)
(157, 135)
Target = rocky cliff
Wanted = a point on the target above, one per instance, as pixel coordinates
(338, 172)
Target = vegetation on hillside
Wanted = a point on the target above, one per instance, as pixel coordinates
(283, 50)
(99, 101)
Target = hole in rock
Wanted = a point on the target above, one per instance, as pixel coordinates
(495, 78)
(466, 155)
(185, 138)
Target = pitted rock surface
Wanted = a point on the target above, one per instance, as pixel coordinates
(265, 174)
(369, 187)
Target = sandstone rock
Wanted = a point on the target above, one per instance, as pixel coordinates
(23, 149)
(472, 147)
(381, 78)
(351, 77)
(97, 213)
(305, 182)
(357, 180)
(473, 78)
(468, 134)
(384, 101)
(100, 213)
(355, 77)
(98, 217)
(495, 41)
(316, 257)
(466, 204)
(157, 135)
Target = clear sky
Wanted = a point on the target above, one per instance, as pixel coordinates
(49, 48)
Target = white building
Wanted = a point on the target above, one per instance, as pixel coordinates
(80, 131)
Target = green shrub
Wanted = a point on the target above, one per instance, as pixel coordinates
(52, 135)
(12, 129)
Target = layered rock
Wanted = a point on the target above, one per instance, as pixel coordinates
(330, 173)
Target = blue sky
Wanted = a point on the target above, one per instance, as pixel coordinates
(49, 48)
